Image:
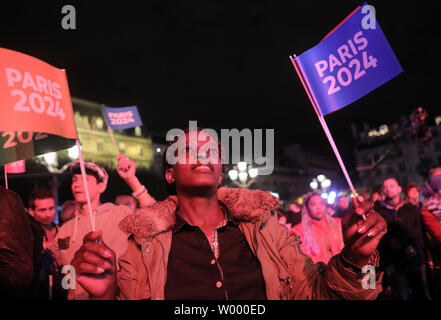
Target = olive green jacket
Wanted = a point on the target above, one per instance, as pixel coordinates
(287, 272)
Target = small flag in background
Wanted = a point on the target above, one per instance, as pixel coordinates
(349, 63)
(122, 118)
(16, 167)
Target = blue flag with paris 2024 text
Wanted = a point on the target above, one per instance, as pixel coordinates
(351, 62)
(122, 118)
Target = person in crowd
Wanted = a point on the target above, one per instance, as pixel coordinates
(210, 242)
(127, 200)
(412, 194)
(287, 218)
(69, 210)
(127, 171)
(431, 219)
(19, 249)
(341, 207)
(376, 196)
(107, 215)
(320, 233)
(41, 204)
(295, 213)
(402, 248)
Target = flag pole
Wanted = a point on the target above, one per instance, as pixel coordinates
(6, 177)
(113, 139)
(322, 121)
(109, 129)
(86, 188)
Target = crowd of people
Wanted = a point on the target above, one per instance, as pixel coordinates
(410, 251)
(206, 241)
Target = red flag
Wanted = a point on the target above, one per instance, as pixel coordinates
(37, 115)
(35, 96)
(16, 167)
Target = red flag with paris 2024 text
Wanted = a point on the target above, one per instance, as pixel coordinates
(37, 115)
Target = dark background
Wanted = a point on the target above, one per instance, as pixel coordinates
(224, 63)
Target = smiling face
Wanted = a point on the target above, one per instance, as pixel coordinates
(316, 207)
(201, 178)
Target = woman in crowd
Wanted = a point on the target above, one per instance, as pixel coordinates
(321, 234)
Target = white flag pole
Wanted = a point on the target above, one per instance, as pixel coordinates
(86, 188)
(6, 177)
(109, 129)
(113, 139)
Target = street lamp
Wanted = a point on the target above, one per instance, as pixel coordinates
(321, 183)
(243, 174)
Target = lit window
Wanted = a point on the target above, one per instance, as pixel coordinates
(99, 123)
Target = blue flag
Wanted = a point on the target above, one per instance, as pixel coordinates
(352, 61)
(122, 118)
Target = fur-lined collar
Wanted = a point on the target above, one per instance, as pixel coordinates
(244, 205)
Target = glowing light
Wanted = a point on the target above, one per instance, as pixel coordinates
(73, 152)
(243, 176)
(242, 166)
(314, 185)
(253, 172)
(326, 183)
(324, 195)
(50, 158)
(99, 123)
(233, 174)
(158, 150)
(321, 177)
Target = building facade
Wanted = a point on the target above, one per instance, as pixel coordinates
(405, 157)
(96, 143)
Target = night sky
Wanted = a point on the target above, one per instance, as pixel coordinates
(225, 63)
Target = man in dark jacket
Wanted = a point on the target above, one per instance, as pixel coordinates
(402, 247)
(18, 254)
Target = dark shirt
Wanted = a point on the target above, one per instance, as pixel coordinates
(403, 230)
(194, 273)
